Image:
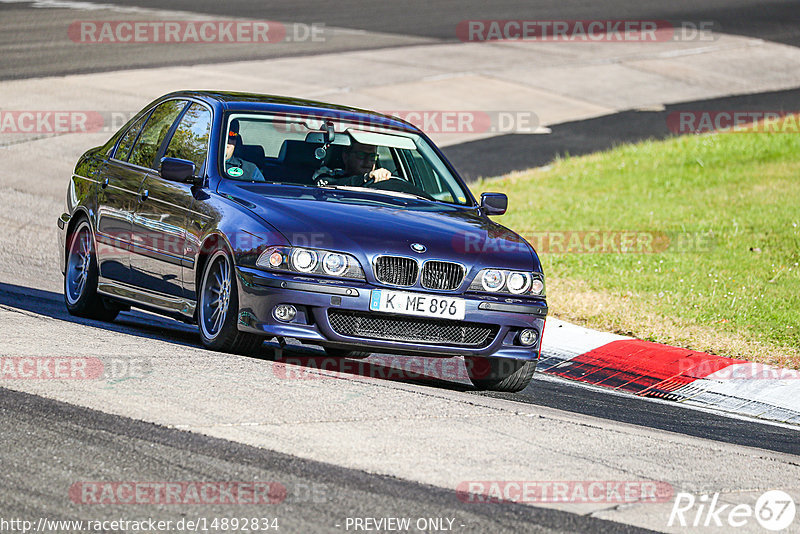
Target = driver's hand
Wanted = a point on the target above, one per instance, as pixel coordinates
(380, 175)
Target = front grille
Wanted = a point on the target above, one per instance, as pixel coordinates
(396, 270)
(411, 329)
(442, 275)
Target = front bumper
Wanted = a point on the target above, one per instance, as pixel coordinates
(260, 292)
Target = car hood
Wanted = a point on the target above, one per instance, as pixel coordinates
(368, 225)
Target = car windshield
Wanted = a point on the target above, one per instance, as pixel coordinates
(324, 153)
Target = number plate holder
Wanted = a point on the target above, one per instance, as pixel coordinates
(420, 304)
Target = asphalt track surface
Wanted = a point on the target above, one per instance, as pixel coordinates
(775, 20)
(543, 391)
(34, 43)
(507, 153)
(318, 497)
(771, 20)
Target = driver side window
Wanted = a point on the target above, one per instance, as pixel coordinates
(190, 141)
(155, 130)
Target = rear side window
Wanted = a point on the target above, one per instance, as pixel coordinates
(386, 160)
(190, 141)
(154, 132)
(125, 145)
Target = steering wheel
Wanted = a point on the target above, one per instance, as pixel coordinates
(395, 183)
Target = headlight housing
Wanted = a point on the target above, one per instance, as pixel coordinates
(311, 261)
(522, 283)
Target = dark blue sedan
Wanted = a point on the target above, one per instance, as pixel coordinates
(260, 217)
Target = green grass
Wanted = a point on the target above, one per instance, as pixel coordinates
(738, 192)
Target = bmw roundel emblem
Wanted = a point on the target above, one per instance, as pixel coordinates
(417, 247)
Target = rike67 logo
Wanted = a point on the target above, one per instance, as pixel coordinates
(774, 510)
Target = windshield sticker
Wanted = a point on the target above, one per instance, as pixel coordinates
(235, 172)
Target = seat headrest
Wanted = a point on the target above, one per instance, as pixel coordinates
(298, 153)
(252, 153)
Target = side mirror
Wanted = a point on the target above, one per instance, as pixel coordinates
(494, 203)
(178, 170)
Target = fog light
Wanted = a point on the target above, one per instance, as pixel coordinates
(284, 312)
(528, 337)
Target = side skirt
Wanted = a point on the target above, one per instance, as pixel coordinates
(179, 308)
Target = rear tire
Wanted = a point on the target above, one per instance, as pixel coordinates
(344, 353)
(499, 374)
(80, 277)
(218, 308)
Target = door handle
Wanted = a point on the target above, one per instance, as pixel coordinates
(144, 195)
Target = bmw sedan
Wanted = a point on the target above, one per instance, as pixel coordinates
(260, 217)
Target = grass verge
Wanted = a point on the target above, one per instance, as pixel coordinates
(693, 241)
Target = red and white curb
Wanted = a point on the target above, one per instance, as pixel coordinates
(655, 370)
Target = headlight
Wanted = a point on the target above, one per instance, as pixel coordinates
(492, 279)
(310, 261)
(334, 263)
(518, 282)
(509, 282)
(304, 260)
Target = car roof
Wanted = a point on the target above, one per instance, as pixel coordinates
(254, 102)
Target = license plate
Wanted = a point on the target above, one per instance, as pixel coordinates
(405, 303)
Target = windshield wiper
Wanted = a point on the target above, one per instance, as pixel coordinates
(386, 192)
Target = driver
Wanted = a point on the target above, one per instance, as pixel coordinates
(237, 167)
(359, 168)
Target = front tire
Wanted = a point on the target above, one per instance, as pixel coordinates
(80, 277)
(218, 308)
(499, 374)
